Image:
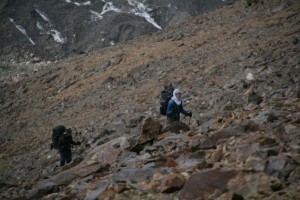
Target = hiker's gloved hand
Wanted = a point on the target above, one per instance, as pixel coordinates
(190, 114)
(78, 143)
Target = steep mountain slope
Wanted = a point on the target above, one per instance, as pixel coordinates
(234, 64)
(51, 30)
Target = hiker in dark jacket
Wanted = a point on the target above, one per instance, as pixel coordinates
(64, 147)
(175, 107)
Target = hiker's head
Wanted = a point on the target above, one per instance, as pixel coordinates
(177, 93)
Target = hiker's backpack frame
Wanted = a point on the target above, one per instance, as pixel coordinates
(56, 134)
(165, 97)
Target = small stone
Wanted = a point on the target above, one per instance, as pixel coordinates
(275, 184)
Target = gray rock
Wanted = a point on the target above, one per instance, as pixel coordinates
(95, 193)
(279, 166)
(43, 188)
(63, 178)
(137, 175)
(206, 182)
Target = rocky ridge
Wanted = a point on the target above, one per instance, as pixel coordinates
(239, 69)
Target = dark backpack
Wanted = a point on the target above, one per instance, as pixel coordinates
(57, 132)
(165, 97)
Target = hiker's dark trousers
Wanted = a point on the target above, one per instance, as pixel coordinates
(170, 120)
(65, 156)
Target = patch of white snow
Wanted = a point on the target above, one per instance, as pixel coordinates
(41, 28)
(43, 15)
(95, 16)
(108, 6)
(22, 30)
(57, 36)
(112, 43)
(80, 4)
(142, 11)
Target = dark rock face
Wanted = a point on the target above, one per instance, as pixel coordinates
(56, 29)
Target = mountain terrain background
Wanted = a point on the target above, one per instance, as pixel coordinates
(238, 66)
(44, 30)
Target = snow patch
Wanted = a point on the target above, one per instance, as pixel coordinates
(43, 15)
(108, 6)
(95, 16)
(112, 43)
(41, 28)
(79, 4)
(57, 36)
(22, 30)
(142, 11)
(138, 9)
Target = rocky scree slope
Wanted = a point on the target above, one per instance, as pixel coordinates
(239, 68)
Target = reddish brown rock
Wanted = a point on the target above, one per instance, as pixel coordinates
(150, 130)
(172, 182)
(191, 162)
(201, 185)
(107, 153)
(171, 162)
